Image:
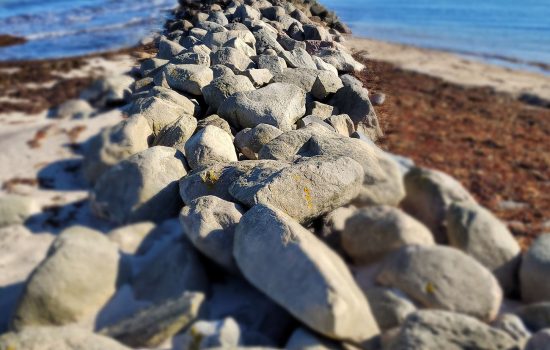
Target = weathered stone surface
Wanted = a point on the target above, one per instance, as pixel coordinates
(221, 88)
(232, 58)
(216, 334)
(430, 193)
(322, 65)
(298, 58)
(303, 339)
(239, 44)
(168, 49)
(176, 134)
(389, 306)
(216, 40)
(277, 104)
(478, 233)
(151, 66)
(199, 58)
(141, 188)
(374, 231)
(210, 145)
(58, 338)
(274, 64)
(15, 209)
(152, 326)
(514, 326)
(299, 272)
(534, 271)
(82, 264)
(245, 12)
(210, 222)
(108, 91)
(316, 32)
(340, 60)
(129, 238)
(218, 17)
(342, 124)
(305, 190)
(221, 70)
(435, 330)
(539, 341)
(311, 119)
(214, 120)
(325, 84)
(259, 77)
(301, 77)
(443, 278)
(321, 110)
(250, 141)
(266, 40)
(190, 78)
(536, 316)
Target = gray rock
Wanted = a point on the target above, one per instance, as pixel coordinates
(299, 272)
(372, 232)
(535, 316)
(73, 109)
(239, 44)
(301, 77)
(141, 188)
(152, 326)
(259, 77)
(232, 58)
(168, 49)
(333, 225)
(274, 64)
(211, 26)
(341, 60)
(214, 120)
(378, 99)
(311, 119)
(190, 78)
(303, 339)
(513, 325)
(326, 83)
(151, 66)
(210, 145)
(321, 110)
(435, 330)
(198, 33)
(108, 91)
(217, 334)
(221, 88)
(176, 134)
(478, 233)
(389, 306)
(443, 278)
(244, 12)
(210, 222)
(82, 264)
(305, 190)
(298, 58)
(290, 44)
(130, 238)
(218, 17)
(216, 40)
(199, 58)
(277, 104)
(58, 338)
(322, 65)
(539, 341)
(221, 70)
(316, 32)
(15, 209)
(250, 141)
(342, 124)
(266, 40)
(175, 269)
(430, 194)
(534, 270)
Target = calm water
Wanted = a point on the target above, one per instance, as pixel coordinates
(59, 28)
(514, 29)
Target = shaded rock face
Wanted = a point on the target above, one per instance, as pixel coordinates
(534, 270)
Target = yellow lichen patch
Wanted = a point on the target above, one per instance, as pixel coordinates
(10, 347)
(210, 178)
(430, 288)
(307, 196)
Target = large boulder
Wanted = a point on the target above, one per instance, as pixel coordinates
(305, 190)
(177, 134)
(210, 145)
(221, 88)
(250, 141)
(210, 222)
(140, 188)
(443, 278)
(480, 234)
(274, 64)
(277, 104)
(294, 268)
(81, 264)
(232, 58)
(190, 78)
(298, 58)
(534, 271)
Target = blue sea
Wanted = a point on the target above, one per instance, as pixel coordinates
(501, 31)
(62, 28)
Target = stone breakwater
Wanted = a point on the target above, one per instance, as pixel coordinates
(295, 231)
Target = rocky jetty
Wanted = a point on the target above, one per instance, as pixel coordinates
(252, 208)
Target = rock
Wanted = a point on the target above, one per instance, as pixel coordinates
(216, 40)
(216, 179)
(372, 232)
(15, 209)
(135, 190)
(333, 225)
(209, 145)
(217, 334)
(341, 60)
(535, 316)
(301, 77)
(378, 99)
(311, 119)
(443, 278)
(72, 109)
(196, 58)
(250, 141)
(326, 83)
(534, 270)
(210, 222)
(430, 193)
(305, 190)
(389, 306)
(82, 264)
(277, 104)
(218, 17)
(177, 134)
(210, 26)
(220, 70)
(152, 326)
(259, 77)
(221, 88)
(214, 120)
(515, 328)
(322, 65)
(539, 341)
(300, 273)
(198, 33)
(321, 110)
(108, 91)
(232, 58)
(478, 233)
(266, 40)
(288, 43)
(130, 238)
(58, 338)
(342, 124)
(315, 32)
(274, 64)
(190, 78)
(298, 58)
(435, 329)
(303, 339)
(175, 269)
(150, 66)
(245, 12)
(168, 49)
(239, 44)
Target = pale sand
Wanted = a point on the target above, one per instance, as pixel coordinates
(453, 68)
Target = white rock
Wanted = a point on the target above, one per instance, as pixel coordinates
(208, 146)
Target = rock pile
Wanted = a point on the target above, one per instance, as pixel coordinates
(295, 230)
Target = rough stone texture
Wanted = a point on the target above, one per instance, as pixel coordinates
(239, 44)
(536, 316)
(430, 193)
(81, 264)
(539, 341)
(277, 104)
(299, 272)
(221, 88)
(266, 40)
(216, 40)
(305, 190)
(303, 339)
(534, 271)
(298, 58)
(322, 65)
(514, 326)
(341, 60)
(250, 141)
(130, 238)
(478, 233)
(152, 326)
(259, 77)
(214, 120)
(210, 145)
(58, 338)
(190, 78)
(311, 119)
(304, 78)
(274, 64)
(325, 84)
(443, 278)
(210, 222)
(168, 49)
(15, 209)
(321, 110)
(389, 306)
(374, 231)
(232, 58)
(216, 334)
(176, 134)
(141, 188)
(436, 330)
(342, 124)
